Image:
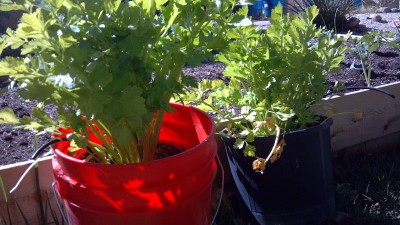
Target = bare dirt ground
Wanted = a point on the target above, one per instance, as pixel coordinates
(386, 24)
(18, 145)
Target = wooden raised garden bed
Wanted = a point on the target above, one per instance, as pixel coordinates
(364, 120)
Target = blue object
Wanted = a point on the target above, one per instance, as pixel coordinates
(255, 10)
(275, 2)
(358, 3)
(267, 11)
(263, 6)
(271, 4)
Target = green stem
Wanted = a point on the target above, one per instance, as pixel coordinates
(135, 148)
(369, 72)
(108, 149)
(223, 115)
(363, 66)
(151, 140)
(98, 152)
(278, 131)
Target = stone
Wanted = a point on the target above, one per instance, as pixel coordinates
(396, 23)
(377, 18)
(353, 22)
(361, 28)
(384, 10)
(395, 10)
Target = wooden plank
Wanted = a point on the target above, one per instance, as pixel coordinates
(362, 116)
(384, 144)
(26, 196)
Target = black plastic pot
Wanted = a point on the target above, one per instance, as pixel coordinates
(297, 189)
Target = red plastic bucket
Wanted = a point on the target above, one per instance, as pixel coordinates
(175, 190)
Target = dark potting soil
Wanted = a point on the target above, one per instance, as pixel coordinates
(385, 69)
(18, 145)
(164, 150)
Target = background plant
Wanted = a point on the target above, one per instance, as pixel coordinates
(367, 45)
(364, 48)
(108, 66)
(274, 76)
(395, 42)
(332, 13)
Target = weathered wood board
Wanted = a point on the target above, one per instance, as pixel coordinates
(26, 195)
(363, 116)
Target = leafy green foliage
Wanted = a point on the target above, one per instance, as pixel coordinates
(364, 47)
(274, 76)
(332, 13)
(395, 38)
(7, 116)
(115, 63)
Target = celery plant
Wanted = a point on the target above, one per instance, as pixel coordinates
(109, 66)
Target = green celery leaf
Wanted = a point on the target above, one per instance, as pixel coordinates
(249, 150)
(7, 116)
(112, 5)
(239, 143)
(43, 117)
(6, 5)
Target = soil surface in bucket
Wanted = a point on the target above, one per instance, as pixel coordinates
(165, 150)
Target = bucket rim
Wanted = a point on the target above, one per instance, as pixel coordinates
(325, 124)
(209, 138)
